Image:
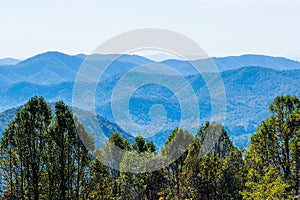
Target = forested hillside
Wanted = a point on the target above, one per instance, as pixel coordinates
(249, 90)
(251, 83)
(45, 156)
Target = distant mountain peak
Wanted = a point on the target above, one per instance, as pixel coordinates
(57, 67)
(45, 56)
(9, 61)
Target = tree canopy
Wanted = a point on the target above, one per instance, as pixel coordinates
(44, 156)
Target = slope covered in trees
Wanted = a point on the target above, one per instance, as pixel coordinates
(251, 83)
(43, 157)
(106, 126)
(249, 91)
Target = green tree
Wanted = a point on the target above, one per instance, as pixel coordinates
(275, 144)
(73, 158)
(100, 185)
(213, 166)
(175, 150)
(282, 110)
(267, 185)
(26, 141)
(115, 149)
(134, 185)
(9, 161)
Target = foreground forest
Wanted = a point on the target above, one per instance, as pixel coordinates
(43, 157)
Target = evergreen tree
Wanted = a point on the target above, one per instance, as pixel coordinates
(26, 141)
(45, 157)
(275, 145)
(175, 150)
(213, 166)
(100, 185)
(72, 157)
(133, 184)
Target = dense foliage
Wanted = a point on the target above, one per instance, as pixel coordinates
(43, 157)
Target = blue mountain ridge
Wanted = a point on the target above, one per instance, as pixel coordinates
(251, 83)
(9, 61)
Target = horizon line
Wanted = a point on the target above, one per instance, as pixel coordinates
(166, 56)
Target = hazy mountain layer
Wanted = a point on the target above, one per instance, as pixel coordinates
(249, 89)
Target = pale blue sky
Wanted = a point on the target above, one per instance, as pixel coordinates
(221, 27)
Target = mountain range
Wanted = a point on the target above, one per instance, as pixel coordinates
(9, 61)
(56, 67)
(251, 83)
